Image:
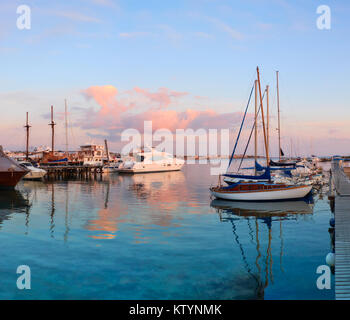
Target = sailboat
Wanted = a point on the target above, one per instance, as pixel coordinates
(257, 187)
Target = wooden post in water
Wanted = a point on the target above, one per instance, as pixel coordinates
(52, 124)
(27, 126)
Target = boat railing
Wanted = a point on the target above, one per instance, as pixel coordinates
(340, 179)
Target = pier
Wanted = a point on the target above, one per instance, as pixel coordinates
(71, 171)
(340, 192)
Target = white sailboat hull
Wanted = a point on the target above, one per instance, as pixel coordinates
(296, 192)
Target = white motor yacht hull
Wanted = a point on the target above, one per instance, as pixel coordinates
(152, 168)
(110, 169)
(34, 175)
(296, 192)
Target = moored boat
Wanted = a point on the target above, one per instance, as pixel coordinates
(112, 167)
(149, 160)
(34, 173)
(10, 171)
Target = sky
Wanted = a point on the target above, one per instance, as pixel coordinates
(182, 64)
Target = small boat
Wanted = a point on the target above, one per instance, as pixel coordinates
(150, 160)
(112, 167)
(34, 172)
(10, 171)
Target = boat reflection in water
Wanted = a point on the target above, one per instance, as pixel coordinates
(12, 201)
(145, 191)
(264, 209)
(257, 214)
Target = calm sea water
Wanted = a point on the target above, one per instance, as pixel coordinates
(158, 236)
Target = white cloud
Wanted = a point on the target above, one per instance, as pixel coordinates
(219, 24)
(133, 34)
(105, 3)
(76, 16)
(202, 35)
(233, 33)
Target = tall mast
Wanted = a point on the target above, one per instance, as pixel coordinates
(267, 120)
(256, 125)
(52, 124)
(279, 119)
(263, 119)
(27, 126)
(66, 125)
(107, 151)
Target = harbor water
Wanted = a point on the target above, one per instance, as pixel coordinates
(159, 236)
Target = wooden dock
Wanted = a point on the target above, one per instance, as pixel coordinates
(340, 187)
(72, 172)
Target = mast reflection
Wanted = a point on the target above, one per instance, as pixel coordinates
(266, 213)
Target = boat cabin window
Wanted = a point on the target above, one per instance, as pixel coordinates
(140, 158)
(26, 164)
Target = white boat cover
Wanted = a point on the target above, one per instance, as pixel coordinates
(8, 164)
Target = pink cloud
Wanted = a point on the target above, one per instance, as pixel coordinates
(118, 111)
(164, 96)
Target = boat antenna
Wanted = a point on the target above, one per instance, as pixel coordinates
(27, 126)
(263, 119)
(66, 125)
(279, 119)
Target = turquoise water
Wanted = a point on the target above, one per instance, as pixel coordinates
(158, 236)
